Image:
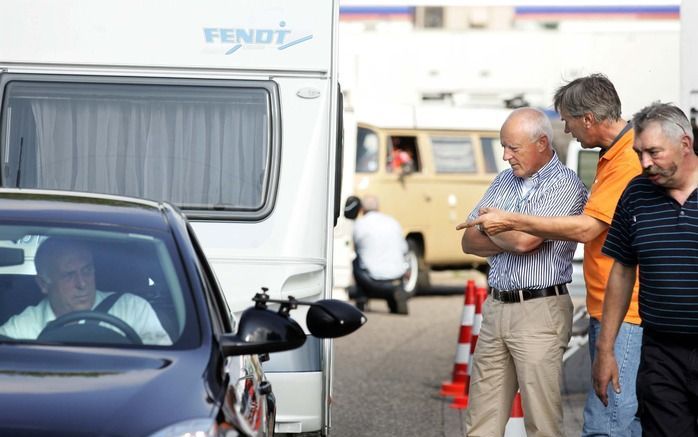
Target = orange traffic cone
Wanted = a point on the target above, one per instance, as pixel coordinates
(459, 379)
(461, 400)
(515, 426)
(480, 296)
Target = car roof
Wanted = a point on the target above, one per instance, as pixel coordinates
(70, 207)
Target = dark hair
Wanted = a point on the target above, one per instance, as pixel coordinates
(594, 93)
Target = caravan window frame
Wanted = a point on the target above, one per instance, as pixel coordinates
(271, 163)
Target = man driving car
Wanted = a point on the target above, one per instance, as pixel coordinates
(66, 275)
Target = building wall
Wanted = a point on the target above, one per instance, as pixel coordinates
(484, 67)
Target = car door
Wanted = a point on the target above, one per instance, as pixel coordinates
(248, 402)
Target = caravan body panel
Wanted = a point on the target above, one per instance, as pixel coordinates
(280, 238)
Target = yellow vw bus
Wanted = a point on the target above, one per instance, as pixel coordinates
(429, 166)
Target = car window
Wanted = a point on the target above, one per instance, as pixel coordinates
(91, 286)
(453, 155)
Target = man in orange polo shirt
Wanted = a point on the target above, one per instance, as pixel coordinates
(590, 109)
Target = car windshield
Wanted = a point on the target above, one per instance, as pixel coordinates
(94, 287)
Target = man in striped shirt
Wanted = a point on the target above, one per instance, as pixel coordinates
(655, 229)
(591, 110)
(527, 317)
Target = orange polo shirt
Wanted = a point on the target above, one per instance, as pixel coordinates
(615, 169)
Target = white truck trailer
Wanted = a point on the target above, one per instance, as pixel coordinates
(228, 109)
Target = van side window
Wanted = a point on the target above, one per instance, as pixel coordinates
(453, 155)
(490, 150)
(401, 155)
(366, 151)
(586, 166)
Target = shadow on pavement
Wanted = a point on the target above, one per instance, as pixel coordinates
(441, 290)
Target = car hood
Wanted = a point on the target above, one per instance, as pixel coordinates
(99, 392)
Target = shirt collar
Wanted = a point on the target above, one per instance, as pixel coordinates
(49, 315)
(615, 148)
(548, 169)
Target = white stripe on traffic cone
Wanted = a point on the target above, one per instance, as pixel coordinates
(459, 379)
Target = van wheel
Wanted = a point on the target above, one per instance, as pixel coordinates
(417, 274)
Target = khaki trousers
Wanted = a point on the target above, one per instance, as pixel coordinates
(520, 347)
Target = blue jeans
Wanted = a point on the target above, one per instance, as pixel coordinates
(618, 419)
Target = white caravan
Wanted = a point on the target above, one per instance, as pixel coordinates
(228, 109)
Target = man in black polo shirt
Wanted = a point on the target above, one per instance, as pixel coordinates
(655, 227)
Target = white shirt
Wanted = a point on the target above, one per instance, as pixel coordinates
(380, 245)
(132, 309)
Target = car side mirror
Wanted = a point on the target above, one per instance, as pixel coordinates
(331, 318)
(261, 330)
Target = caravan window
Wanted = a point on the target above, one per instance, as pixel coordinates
(206, 148)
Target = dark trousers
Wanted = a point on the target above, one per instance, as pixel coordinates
(667, 385)
(367, 287)
(391, 290)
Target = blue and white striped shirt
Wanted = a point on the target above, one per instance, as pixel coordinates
(555, 191)
(652, 230)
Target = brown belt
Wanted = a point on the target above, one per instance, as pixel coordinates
(510, 296)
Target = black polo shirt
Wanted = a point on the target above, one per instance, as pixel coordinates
(652, 230)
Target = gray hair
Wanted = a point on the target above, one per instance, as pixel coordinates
(670, 117)
(51, 249)
(594, 93)
(370, 203)
(534, 122)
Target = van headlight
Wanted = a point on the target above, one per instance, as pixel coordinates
(190, 428)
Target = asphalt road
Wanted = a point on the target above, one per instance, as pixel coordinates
(388, 374)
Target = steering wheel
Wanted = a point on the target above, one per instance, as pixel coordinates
(53, 327)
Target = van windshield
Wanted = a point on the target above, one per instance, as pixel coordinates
(199, 147)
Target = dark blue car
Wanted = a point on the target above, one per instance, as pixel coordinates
(113, 324)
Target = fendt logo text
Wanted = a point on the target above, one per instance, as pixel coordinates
(239, 37)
